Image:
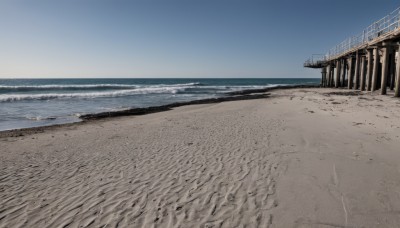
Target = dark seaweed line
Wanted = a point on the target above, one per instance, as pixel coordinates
(233, 96)
(162, 108)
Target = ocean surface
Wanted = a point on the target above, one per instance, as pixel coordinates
(40, 102)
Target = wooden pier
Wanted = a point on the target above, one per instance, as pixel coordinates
(369, 61)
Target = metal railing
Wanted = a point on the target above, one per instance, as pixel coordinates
(385, 25)
(316, 60)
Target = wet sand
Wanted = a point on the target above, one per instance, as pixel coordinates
(297, 158)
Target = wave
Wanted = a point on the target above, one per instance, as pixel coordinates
(8, 88)
(184, 84)
(230, 88)
(64, 87)
(187, 88)
(39, 118)
(119, 93)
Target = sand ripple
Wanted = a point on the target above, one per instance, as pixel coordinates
(163, 170)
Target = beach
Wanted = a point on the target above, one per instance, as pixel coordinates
(297, 158)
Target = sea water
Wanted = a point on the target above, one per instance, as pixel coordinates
(40, 102)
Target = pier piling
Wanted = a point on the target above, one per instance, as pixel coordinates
(362, 73)
(385, 69)
(369, 69)
(331, 74)
(350, 72)
(375, 69)
(392, 67)
(357, 72)
(337, 73)
(397, 89)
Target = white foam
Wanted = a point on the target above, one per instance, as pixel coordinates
(143, 89)
(119, 93)
(38, 118)
(90, 86)
(65, 87)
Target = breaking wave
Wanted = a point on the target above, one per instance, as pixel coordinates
(119, 93)
(25, 88)
(50, 92)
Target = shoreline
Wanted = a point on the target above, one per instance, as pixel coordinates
(249, 94)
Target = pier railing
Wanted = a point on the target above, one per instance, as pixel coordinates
(382, 27)
(316, 61)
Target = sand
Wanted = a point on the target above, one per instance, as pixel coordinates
(300, 158)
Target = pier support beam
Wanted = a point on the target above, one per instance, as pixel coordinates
(362, 72)
(329, 77)
(337, 73)
(369, 69)
(392, 67)
(375, 69)
(397, 89)
(323, 78)
(385, 69)
(328, 69)
(331, 74)
(350, 73)
(345, 69)
(343, 73)
(357, 72)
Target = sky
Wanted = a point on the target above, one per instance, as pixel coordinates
(175, 38)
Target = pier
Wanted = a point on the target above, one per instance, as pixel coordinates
(368, 61)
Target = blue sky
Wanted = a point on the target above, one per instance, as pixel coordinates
(175, 38)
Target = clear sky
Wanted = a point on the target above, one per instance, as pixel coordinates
(175, 38)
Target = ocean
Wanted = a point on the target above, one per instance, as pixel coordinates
(40, 102)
